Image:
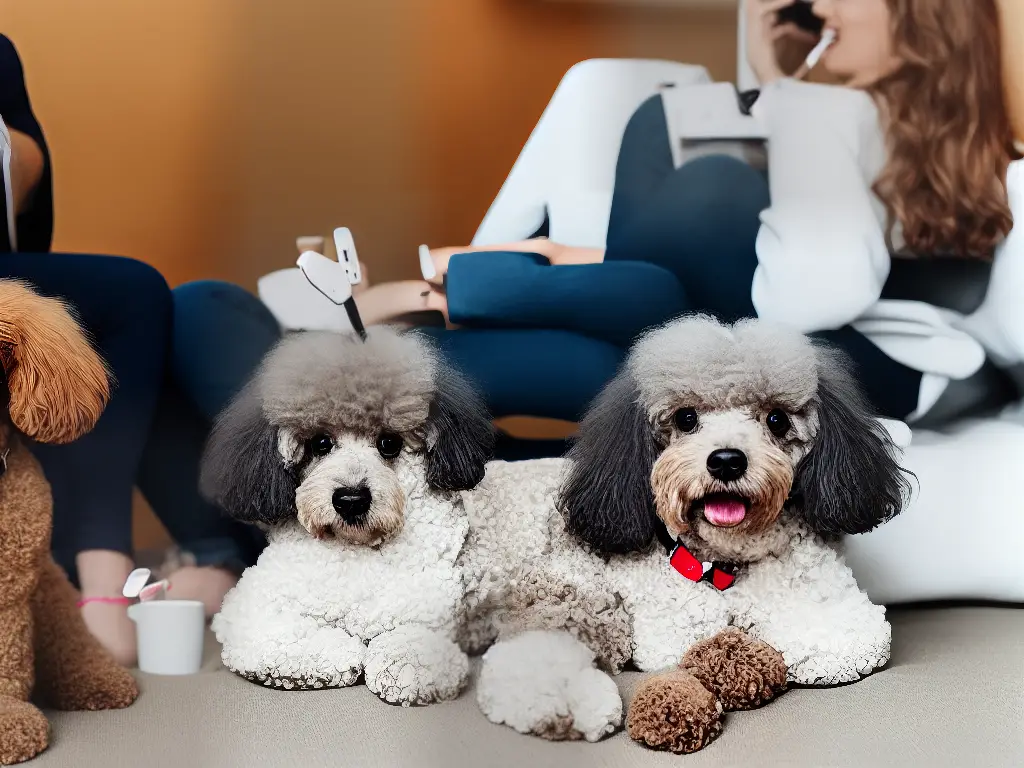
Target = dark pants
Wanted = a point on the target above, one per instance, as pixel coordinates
(177, 357)
(679, 241)
(126, 307)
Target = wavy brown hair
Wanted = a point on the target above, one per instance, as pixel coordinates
(949, 134)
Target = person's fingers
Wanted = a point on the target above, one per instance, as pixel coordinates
(762, 15)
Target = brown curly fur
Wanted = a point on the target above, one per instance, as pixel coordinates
(681, 710)
(58, 387)
(674, 712)
(58, 384)
(742, 672)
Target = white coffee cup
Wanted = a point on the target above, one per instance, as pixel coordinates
(170, 635)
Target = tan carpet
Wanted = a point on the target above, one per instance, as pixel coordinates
(953, 695)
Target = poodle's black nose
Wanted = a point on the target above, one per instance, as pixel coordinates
(727, 464)
(352, 503)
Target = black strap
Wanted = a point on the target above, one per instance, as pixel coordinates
(747, 99)
(664, 536)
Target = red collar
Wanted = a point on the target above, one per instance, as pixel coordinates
(720, 575)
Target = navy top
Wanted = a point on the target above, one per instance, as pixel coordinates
(35, 225)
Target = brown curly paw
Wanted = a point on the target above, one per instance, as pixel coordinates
(674, 712)
(102, 686)
(743, 672)
(24, 732)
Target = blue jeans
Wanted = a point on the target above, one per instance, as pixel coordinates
(177, 358)
(543, 340)
(219, 334)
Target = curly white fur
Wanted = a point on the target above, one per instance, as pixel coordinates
(320, 613)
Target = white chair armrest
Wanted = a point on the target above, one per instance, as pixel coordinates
(567, 166)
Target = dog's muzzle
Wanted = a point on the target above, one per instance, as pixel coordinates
(352, 504)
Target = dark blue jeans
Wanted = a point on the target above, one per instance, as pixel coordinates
(177, 358)
(542, 340)
(219, 334)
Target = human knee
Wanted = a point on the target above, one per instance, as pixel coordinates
(136, 284)
(213, 304)
(723, 180)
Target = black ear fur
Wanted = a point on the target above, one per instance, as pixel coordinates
(850, 481)
(606, 498)
(460, 433)
(242, 470)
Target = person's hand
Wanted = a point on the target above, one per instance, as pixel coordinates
(764, 35)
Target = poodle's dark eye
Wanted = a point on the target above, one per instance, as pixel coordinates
(320, 445)
(389, 444)
(686, 419)
(778, 422)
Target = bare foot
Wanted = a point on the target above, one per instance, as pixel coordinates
(102, 574)
(384, 303)
(109, 623)
(437, 300)
(206, 584)
(442, 256)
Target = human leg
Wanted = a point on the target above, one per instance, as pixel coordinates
(220, 334)
(32, 186)
(125, 307)
(613, 302)
(542, 373)
(700, 223)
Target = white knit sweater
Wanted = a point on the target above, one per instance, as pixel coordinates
(821, 249)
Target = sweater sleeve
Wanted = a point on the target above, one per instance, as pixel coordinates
(821, 250)
(1000, 319)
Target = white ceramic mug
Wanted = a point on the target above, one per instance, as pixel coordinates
(170, 635)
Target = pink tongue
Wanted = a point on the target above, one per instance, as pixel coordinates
(724, 512)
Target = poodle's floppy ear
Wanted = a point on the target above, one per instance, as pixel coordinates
(58, 385)
(242, 471)
(460, 434)
(606, 498)
(850, 481)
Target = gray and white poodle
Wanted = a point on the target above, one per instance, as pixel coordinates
(707, 491)
(351, 457)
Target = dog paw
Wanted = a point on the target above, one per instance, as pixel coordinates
(330, 658)
(674, 712)
(827, 669)
(102, 686)
(545, 683)
(24, 731)
(410, 666)
(742, 672)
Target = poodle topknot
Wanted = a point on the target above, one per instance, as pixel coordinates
(350, 455)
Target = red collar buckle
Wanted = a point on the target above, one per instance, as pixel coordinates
(720, 575)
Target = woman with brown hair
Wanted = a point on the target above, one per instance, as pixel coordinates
(885, 225)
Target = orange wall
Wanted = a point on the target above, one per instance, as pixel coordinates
(204, 136)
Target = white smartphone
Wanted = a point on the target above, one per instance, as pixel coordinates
(345, 245)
